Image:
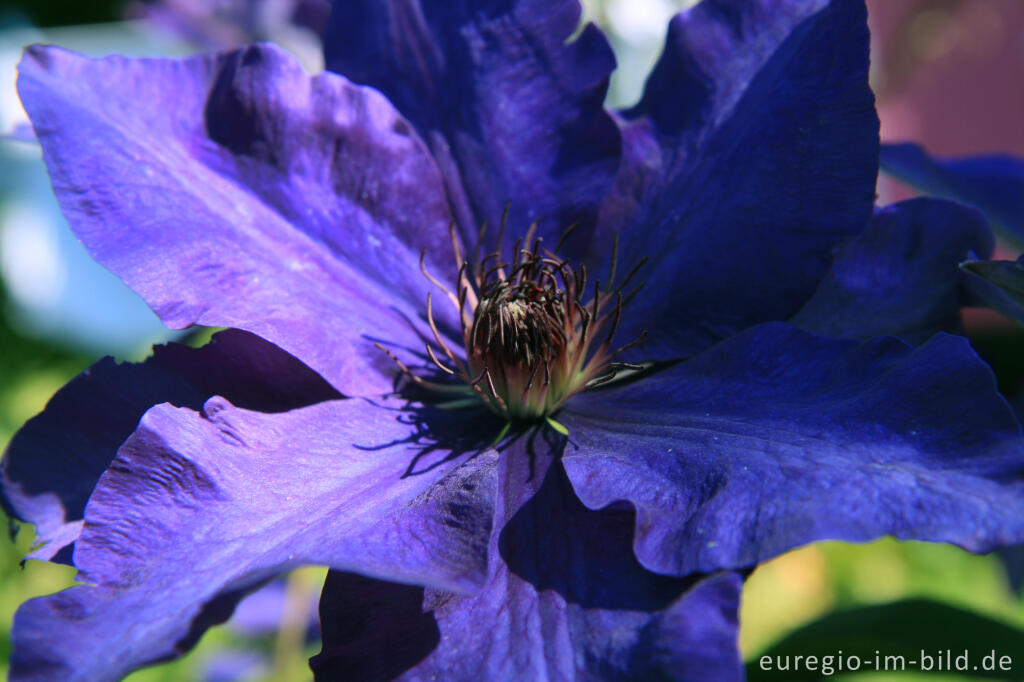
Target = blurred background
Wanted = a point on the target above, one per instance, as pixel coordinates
(948, 74)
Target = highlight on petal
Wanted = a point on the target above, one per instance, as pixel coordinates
(993, 183)
(776, 438)
(248, 194)
(52, 464)
(198, 509)
(900, 276)
(752, 154)
(565, 599)
(511, 107)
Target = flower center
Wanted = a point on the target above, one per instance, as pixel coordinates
(532, 333)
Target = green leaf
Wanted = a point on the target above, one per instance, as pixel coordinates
(912, 636)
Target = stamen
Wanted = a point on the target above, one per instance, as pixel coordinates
(631, 295)
(635, 342)
(480, 377)
(525, 316)
(625, 365)
(423, 269)
(479, 244)
(437, 337)
(455, 242)
(585, 324)
(498, 268)
(494, 392)
(529, 382)
(530, 233)
(429, 385)
(565, 235)
(430, 352)
(481, 276)
(615, 259)
(636, 268)
(615, 321)
(464, 292)
(501, 234)
(516, 255)
(601, 380)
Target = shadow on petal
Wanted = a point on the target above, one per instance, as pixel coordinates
(565, 599)
(372, 630)
(555, 543)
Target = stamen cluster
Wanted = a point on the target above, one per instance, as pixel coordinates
(528, 328)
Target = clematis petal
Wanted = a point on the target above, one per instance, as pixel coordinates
(998, 284)
(566, 599)
(53, 463)
(776, 438)
(992, 183)
(752, 154)
(247, 194)
(900, 276)
(511, 108)
(197, 509)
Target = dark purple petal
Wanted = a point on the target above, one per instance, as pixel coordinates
(247, 194)
(752, 154)
(899, 276)
(566, 599)
(776, 438)
(994, 184)
(197, 509)
(53, 463)
(510, 108)
(998, 284)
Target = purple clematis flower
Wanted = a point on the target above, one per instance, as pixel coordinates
(429, 383)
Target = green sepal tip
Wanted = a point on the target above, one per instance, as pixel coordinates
(557, 426)
(501, 434)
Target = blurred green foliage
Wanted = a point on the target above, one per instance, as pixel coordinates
(887, 596)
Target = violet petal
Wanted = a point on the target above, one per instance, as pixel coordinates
(53, 463)
(753, 152)
(565, 599)
(900, 276)
(777, 438)
(197, 509)
(248, 194)
(511, 108)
